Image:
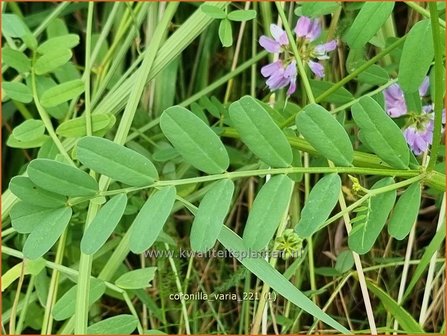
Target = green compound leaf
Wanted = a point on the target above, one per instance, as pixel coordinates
(260, 133)
(325, 134)
(116, 161)
(417, 55)
(45, 234)
(381, 134)
(340, 96)
(14, 143)
(345, 261)
(117, 325)
(322, 200)
(136, 279)
(406, 321)
(103, 224)
(65, 306)
(25, 217)
(13, 26)
(61, 178)
(18, 91)
(61, 93)
(405, 212)
(374, 75)
(242, 15)
(365, 232)
(225, 33)
(27, 191)
(16, 60)
(213, 11)
(29, 130)
(150, 220)
(368, 22)
(210, 216)
(60, 42)
(317, 9)
(194, 140)
(76, 128)
(266, 214)
(268, 274)
(52, 60)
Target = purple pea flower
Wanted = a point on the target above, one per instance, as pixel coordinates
(280, 75)
(419, 138)
(309, 30)
(395, 101)
(275, 44)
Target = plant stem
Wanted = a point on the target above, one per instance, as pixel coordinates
(423, 11)
(438, 99)
(47, 121)
(87, 69)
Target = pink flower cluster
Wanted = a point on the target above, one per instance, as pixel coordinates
(418, 132)
(283, 72)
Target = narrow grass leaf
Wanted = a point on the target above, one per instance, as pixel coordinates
(16, 60)
(116, 161)
(61, 178)
(405, 212)
(321, 201)
(29, 130)
(32, 267)
(150, 220)
(269, 275)
(103, 224)
(417, 55)
(65, 306)
(367, 23)
(68, 41)
(380, 132)
(265, 215)
(225, 33)
(137, 279)
(210, 216)
(61, 93)
(260, 133)
(365, 232)
(196, 142)
(423, 263)
(52, 60)
(76, 127)
(406, 321)
(325, 134)
(27, 191)
(18, 91)
(46, 233)
(116, 325)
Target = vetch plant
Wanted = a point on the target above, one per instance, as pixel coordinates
(140, 131)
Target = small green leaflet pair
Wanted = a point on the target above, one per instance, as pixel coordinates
(225, 29)
(44, 210)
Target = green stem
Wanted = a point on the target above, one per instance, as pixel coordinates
(273, 171)
(438, 99)
(423, 11)
(296, 53)
(46, 119)
(87, 69)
